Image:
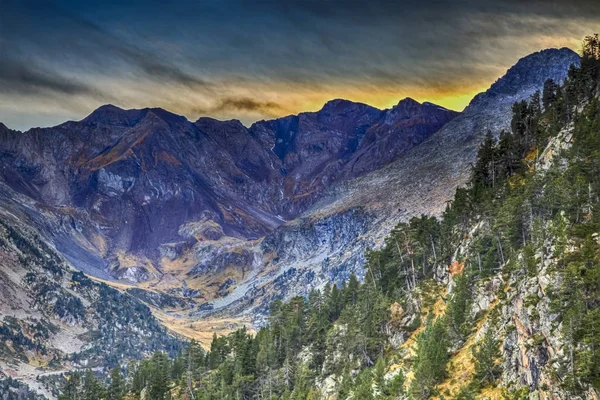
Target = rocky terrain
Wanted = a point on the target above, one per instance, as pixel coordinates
(147, 197)
(215, 219)
(141, 175)
(55, 319)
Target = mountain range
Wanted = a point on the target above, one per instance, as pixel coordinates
(212, 219)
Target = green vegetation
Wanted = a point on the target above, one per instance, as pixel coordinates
(485, 355)
(432, 355)
(61, 296)
(513, 220)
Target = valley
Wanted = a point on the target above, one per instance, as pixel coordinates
(136, 224)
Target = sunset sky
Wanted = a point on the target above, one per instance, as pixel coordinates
(255, 60)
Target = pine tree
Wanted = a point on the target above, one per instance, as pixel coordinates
(485, 356)
(484, 172)
(159, 380)
(351, 294)
(549, 94)
(92, 390)
(431, 358)
(363, 389)
(459, 305)
(71, 390)
(116, 388)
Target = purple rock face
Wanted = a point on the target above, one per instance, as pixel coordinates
(341, 141)
(139, 175)
(147, 195)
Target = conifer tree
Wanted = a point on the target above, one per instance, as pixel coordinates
(116, 388)
(92, 389)
(431, 358)
(159, 380)
(459, 304)
(485, 355)
(71, 390)
(484, 172)
(549, 94)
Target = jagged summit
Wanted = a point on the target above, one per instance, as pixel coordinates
(409, 107)
(527, 71)
(342, 104)
(109, 114)
(528, 75)
(143, 174)
(211, 120)
(408, 101)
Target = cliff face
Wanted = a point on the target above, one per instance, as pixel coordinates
(516, 311)
(327, 242)
(267, 211)
(213, 219)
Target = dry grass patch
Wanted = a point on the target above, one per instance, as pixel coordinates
(460, 365)
(201, 330)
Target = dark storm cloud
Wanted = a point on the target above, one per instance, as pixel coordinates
(20, 76)
(236, 105)
(76, 44)
(261, 58)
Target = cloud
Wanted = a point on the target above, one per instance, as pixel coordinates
(249, 60)
(246, 104)
(18, 76)
(74, 43)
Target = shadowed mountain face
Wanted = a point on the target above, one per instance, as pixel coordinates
(342, 141)
(139, 176)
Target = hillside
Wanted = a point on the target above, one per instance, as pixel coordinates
(496, 299)
(131, 195)
(327, 242)
(202, 226)
(55, 319)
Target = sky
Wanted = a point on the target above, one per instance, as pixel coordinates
(252, 60)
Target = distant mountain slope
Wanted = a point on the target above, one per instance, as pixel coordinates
(55, 319)
(131, 181)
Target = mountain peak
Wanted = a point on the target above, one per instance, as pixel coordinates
(336, 106)
(409, 107)
(214, 121)
(405, 108)
(533, 70)
(408, 101)
(109, 114)
(528, 75)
